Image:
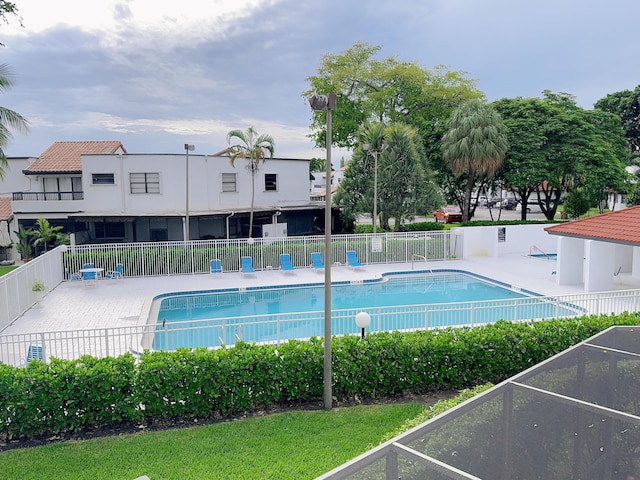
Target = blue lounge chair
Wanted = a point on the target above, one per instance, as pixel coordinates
(316, 261)
(285, 263)
(117, 273)
(616, 274)
(34, 352)
(352, 259)
(72, 276)
(215, 266)
(246, 266)
(89, 276)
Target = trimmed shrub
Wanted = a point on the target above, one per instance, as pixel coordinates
(71, 395)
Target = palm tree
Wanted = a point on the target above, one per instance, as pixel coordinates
(255, 149)
(474, 145)
(44, 232)
(24, 243)
(8, 119)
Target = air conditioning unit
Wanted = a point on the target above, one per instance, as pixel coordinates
(274, 230)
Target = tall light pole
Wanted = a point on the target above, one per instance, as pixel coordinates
(375, 154)
(187, 148)
(328, 103)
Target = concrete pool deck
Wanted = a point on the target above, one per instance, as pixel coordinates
(126, 302)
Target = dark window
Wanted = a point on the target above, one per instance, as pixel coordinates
(103, 178)
(270, 181)
(144, 182)
(109, 229)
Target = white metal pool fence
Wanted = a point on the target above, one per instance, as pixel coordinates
(176, 258)
(277, 329)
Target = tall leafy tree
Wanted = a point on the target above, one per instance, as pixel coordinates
(524, 167)
(385, 90)
(604, 169)
(625, 104)
(556, 146)
(474, 145)
(405, 188)
(254, 148)
(9, 120)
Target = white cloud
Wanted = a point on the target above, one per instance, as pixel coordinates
(131, 23)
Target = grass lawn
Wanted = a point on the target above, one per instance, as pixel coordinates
(6, 269)
(290, 445)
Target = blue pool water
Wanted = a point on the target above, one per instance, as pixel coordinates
(397, 302)
(545, 256)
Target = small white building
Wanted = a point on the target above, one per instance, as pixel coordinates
(597, 251)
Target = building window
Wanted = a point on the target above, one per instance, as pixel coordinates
(62, 188)
(103, 178)
(144, 182)
(270, 182)
(110, 230)
(229, 182)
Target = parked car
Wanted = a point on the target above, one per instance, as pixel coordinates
(448, 214)
(504, 202)
(482, 201)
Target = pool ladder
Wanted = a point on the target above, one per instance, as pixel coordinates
(534, 248)
(422, 257)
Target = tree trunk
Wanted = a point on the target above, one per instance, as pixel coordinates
(253, 190)
(466, 207)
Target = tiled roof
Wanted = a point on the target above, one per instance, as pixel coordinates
(5, 208)
(65, 157)
(622, 226)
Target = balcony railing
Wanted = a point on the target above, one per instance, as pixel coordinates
(40, 196)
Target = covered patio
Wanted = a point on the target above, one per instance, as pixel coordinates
(601, 252)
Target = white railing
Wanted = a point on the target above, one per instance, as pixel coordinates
(175, 258)
(16, 294)
(275, 329)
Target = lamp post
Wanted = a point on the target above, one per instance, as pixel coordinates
(328, 103)
(187, 148)
(375, 154)
(363, 320)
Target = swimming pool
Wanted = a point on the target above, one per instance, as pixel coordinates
(398, 301)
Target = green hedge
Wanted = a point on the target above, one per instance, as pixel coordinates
(72, 395)
(408, 227)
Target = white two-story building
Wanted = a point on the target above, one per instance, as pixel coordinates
(102, 193)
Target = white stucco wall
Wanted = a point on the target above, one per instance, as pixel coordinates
(489, 242)
(14, 180)
(570, 266)
(205, 184)
(598, 270)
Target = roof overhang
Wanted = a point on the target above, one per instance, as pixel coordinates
(49, 172)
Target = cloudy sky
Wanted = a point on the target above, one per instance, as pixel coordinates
(156, 75)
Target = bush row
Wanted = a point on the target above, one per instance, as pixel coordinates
(406, 227)
(68, 396)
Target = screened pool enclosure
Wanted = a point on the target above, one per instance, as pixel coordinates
(574, 416)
